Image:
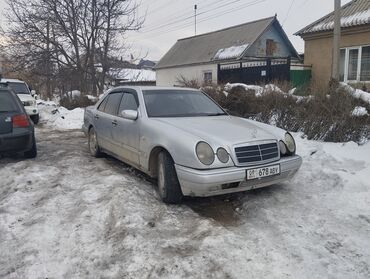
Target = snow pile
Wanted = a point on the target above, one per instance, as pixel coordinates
(359, 111)
(74, 94)
(230, 52)
(356, 93)
(92, 98)
(261, 90)
(257, 89)
(60, 118)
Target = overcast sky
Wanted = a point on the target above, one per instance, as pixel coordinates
(167, 21)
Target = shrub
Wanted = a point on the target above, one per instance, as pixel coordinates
(76, 102)
(327, 115)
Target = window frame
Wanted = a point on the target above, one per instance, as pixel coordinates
(135, 97)
(346, 61)
(108, 97)
(209, 81)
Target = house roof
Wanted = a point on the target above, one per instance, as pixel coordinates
(354, 13)
(133, 75)
(228, 43)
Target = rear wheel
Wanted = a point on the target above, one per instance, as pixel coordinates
(35, 118)
(93, 144)
(32, 153)
(168, 184)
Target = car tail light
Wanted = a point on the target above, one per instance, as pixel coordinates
(20, 121)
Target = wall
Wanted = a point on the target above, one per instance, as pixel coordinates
(318, 53)
(280, 48)
(169, 77)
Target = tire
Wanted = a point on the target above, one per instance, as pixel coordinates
(93, 144)
(32, 153)
(35, 119)
(168, 184)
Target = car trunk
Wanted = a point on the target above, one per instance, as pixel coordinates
(8, 107)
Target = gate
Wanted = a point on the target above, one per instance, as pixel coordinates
(255, 71)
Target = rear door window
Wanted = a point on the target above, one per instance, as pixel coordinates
(7, 102)
(113, 103)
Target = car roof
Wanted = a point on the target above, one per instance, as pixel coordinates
(142, 88)
(3, 80)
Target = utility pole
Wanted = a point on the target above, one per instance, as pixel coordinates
(195, 19)
(336, 39)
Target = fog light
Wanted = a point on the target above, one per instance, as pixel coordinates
(222, 155)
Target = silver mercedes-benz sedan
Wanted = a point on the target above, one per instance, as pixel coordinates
(188, 142)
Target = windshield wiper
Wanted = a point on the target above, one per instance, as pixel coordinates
(216, 114)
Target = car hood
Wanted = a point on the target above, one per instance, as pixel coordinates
(224, 129)
(25, 97)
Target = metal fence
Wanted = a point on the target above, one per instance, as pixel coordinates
(255, 71)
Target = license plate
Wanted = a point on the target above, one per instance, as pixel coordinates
(263, 172)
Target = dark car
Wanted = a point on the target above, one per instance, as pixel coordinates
(17, 134)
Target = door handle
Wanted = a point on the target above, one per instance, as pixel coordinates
(96, 116)
(114, 122)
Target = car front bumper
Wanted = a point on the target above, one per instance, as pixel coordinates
(203, 183)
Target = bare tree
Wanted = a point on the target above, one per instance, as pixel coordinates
(71, 38)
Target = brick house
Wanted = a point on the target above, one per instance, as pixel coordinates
(354, 44)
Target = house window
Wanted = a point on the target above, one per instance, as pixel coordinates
(365, 64)
(207, 77)
(355, 64)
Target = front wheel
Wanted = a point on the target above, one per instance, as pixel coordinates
(93, 144)
(168, 184)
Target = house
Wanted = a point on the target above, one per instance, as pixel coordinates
(251, 52)
(146, 64)
(128, 76)
(354, 44)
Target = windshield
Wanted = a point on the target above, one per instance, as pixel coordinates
(19, 87)
(179, 103)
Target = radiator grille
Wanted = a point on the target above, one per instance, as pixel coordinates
(257, 153)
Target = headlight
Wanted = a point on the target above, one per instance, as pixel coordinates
(222, 155)
(283, 149)
(290, 143)
(205, 153)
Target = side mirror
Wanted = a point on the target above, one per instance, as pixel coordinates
(130, 114)
(33, 92)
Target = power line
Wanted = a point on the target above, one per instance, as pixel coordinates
(191, 17)
(176, 16)
(183, 26)
(287, 14)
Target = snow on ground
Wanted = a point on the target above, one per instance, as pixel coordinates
(60, 118)
(69, 215)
